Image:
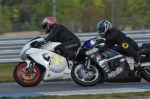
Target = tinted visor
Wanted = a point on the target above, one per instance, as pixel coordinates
(102, 30)
(44, 26)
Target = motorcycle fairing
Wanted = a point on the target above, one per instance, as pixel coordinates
(91, 51)
(58, 67)
(57, 63)
(49, 75)
(28, 46)
(111, 71)
(118, 72)
(37, 55)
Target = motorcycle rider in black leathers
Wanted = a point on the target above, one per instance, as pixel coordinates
(114, 36)
(59, 33)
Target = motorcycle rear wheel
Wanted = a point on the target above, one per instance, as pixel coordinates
(146, 74)
(85, 78)
(27, 79)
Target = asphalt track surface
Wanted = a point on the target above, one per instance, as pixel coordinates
(70, 88)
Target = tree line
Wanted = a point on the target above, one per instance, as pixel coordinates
(78, 15)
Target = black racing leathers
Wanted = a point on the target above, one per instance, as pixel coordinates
(61, 34)
(70, 42)
(124, 43)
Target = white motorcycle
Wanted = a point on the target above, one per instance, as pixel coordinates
(41, 64)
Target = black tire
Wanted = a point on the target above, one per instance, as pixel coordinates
(20, 73)
(146, 74)
(85, 83)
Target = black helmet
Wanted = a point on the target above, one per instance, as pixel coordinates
(102, 27)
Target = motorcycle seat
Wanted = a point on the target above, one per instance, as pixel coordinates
(146, 45)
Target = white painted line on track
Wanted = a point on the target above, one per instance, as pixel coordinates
(94, 91)
(78, 92)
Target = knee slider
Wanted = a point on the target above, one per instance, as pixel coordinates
(61, 51)
(58, 50)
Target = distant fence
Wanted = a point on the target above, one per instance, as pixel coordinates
(10, 47)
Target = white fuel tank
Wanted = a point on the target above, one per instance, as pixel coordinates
(50, 45)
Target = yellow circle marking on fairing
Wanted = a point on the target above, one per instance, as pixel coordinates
(60, 62)
(125, 45)
(53, 61)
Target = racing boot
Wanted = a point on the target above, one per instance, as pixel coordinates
(139, 58)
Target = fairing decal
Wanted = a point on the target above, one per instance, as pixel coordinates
(91, 51)
(57, 64)
(115, 73)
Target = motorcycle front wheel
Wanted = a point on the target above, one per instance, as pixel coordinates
(85, 76)
(27, 78)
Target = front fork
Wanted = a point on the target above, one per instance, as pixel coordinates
(87, 62)
(30, 66)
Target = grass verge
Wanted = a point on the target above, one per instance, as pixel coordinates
(6, 72)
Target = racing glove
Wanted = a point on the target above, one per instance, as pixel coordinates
(98, 41)
(140, 58)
